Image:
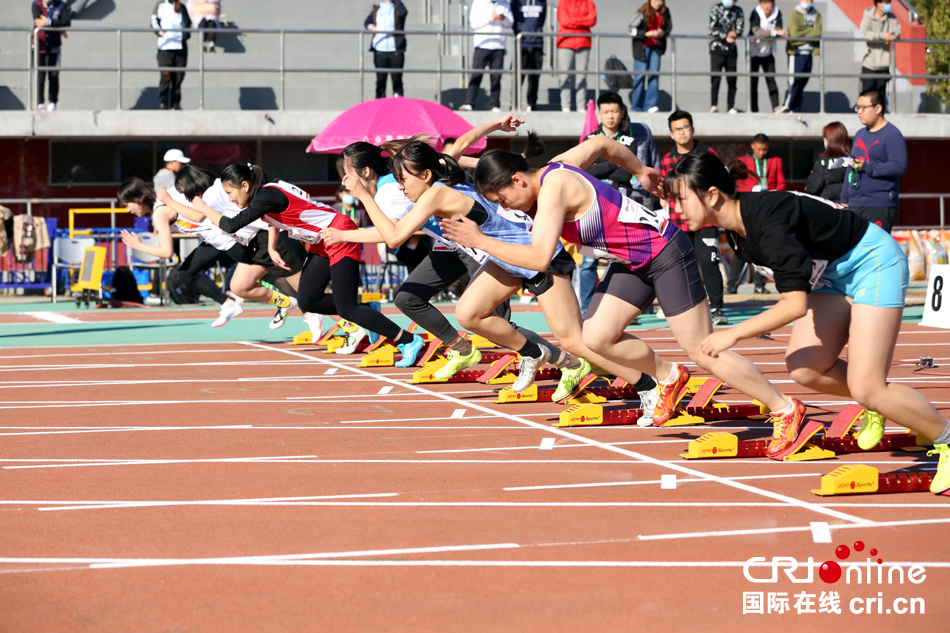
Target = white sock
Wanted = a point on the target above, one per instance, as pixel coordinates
(673, 374)
(787, 409)
(944, 437)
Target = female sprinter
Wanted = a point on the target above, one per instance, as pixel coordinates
(843, 282)
(139, 198)
(255, 262)
(436, 183)
(286, 207)
(444, 265)
(650, 258)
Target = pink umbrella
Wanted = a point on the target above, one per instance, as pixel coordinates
(590, 121)
(384, 120)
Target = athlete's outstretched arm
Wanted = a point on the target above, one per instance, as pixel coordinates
(507, 123)
(162, 218)
(584, 155)
(793, 305)
(179, 208)
(545, 234)
(359, 236)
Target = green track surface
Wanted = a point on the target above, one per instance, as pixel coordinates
(247, 327)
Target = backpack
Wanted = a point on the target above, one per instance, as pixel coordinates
(617, 82)
(179, 292)
(124, 286)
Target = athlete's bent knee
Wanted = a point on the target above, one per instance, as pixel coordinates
(805, 376)
(597, 339)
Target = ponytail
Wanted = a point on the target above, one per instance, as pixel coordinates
(738, 170)
(417, 156)
(238, 173)
(361, 155)
(702, 172)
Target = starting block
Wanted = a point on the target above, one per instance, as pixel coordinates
(304, 338)
(507, 396)
(382, 356)
(721, 444)
(545, 394)
(862, 479)
(497, 373)
(369, 297)
(581, 415)
(430, 354)
(333, 332)
(480, 341)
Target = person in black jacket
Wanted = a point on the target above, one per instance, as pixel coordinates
(529, 18)
(827, 176)
(389, 49)
(49, 13)
(649, 28)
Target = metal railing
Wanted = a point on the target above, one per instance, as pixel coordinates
(942, 197)
(441, 40)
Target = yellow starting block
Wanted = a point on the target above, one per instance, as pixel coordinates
(713, 444)
(366, 297)
(384, 356)
(304, 338)
(849, 479)
(480, 341)
(507, 396)
(581, 415)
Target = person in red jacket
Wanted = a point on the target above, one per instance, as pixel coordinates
(573, 53)
(766, 173)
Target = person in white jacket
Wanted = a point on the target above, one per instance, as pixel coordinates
(489, 20)
(168, 18)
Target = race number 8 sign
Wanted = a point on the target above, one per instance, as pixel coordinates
(936, 307)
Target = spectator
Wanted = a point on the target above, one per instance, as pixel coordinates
(529, 16)
(827, 175)
(726, 22)
(165, 178)
(705, 240)
(804, 22)
(650, 26)
(489, 21)
(573, 53)
(765, 23)
(766, 173)
(347, 204)
(389, 49)
(49, 13)
(206, 14)
(168, 19)
(879, 159)
(879, 27)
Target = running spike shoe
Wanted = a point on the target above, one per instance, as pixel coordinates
(666, 396)
(648, 402)
(457, 362)
(352, 341)
(570, 378)
(872, 430)
(229, 309)
(941, 480)
(529, 367)
(281, 317)
(410, 351)
(785, 427)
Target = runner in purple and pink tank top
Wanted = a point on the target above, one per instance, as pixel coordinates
(649, 259)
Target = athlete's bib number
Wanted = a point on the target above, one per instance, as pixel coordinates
(934, 314)
(634, 213)
(818, 267)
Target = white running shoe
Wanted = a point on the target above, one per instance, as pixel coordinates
(51, 107)
(529, 367)
(229, 309)
(733, 111)
(496, 109)
(648, 402)
(41, 108)
(281, 317)
(465, 108)
(352, 341)
(714, 109)
(314, 321)
(653, 110)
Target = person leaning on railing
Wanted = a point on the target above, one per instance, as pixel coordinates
(168, 20)
(879, 27)
(726, 22)
(649, 28)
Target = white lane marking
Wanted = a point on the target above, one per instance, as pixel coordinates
(820, 532)
(127, 403)
(789, 501)
(385, 390)
(52, 317)
(279, 501)
(547, 443)
(140, 462)
(143, 353)
(668, 482)
(525, 448)
(608, 484)
(330, 371)
(773, 530)
(458, 413)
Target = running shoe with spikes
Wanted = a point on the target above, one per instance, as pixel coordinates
(872, 430)
(410, 351)
(373, 336)
(785, 427)
(457, 362)
(314, 321)
(352, 341)
(648, 402)
(229, 309)
(570, 378)
(666, 396)
(281, 317)
(941, 481)
(529, 367)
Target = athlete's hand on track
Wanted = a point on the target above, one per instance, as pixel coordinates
(718, 342)
(463, 232)
(275, 256)
(130, 239)
(509, 123)
(332, 236)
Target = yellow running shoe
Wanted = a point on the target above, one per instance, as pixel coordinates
(941, 480)
(872, 430)
(457, 362)
(570, 378)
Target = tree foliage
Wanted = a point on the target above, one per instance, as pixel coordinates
(935, 14)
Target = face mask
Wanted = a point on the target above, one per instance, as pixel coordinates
(806, 6)
(727, 3)
(825, 142)
(886, 8)
(349, 200)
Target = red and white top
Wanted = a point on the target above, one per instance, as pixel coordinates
(303, 219)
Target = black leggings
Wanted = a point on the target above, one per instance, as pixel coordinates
(191, 271)
(312, 296)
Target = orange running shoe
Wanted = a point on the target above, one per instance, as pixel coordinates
(666, 396)
(785, 428)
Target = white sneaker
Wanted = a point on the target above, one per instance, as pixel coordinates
(496, 109)
(565, 109)
(653, 110)
(648, 402)
(733, 111)
(51, 107)
(714, 109)
(281, 317)
(465, 108)
(659, 314)
(41, 108)
(784, 109)
(314, 321)
(528, 109)
(352, 341)
(229, 309)
(529, 367)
